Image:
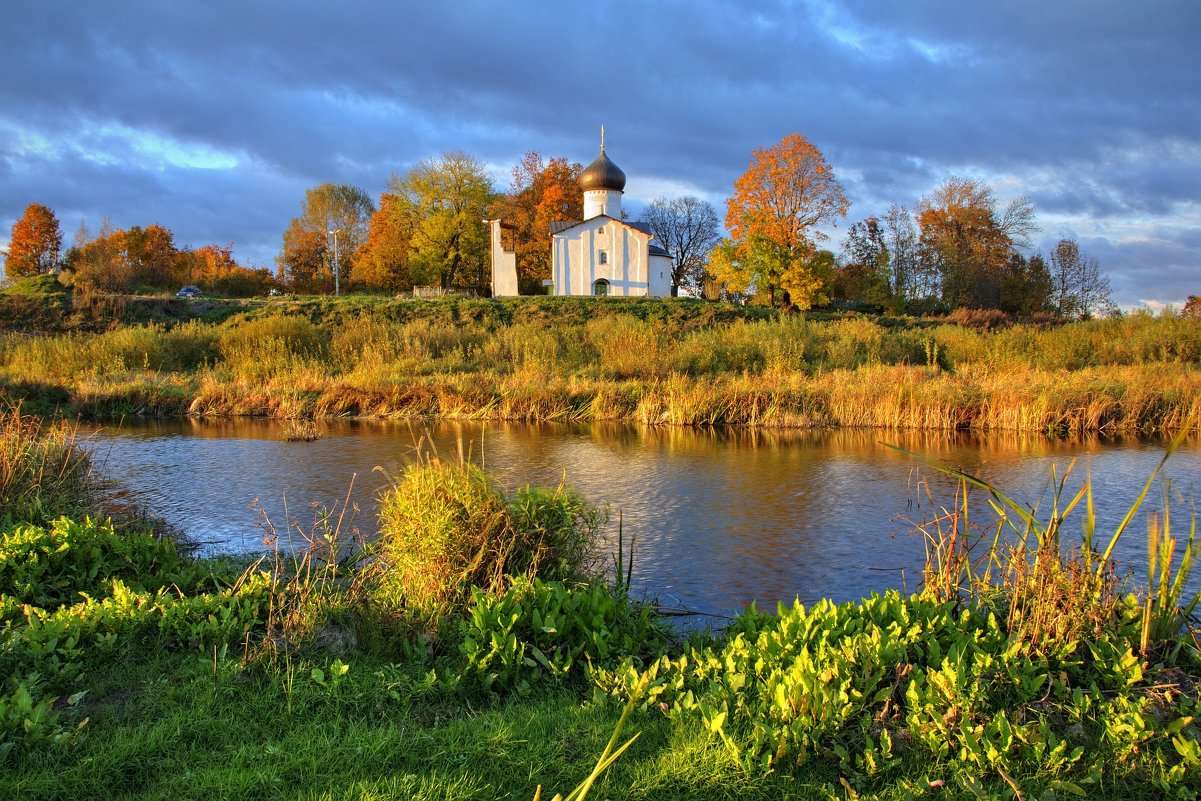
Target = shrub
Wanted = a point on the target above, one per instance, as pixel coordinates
(447, 528)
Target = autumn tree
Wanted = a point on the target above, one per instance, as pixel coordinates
(383, 260)
(687, 228)
(865, 270)
(126, 260)
(303, 262)
(445, 200)
(1079, 288)
(1192, 307)
(213, 268)
(35, 243)
(148, 255)
(540, 193)
(773, 217)
(327, 208)
(968, 243)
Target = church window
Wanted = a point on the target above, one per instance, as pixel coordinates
(604, 257)
(600, 288)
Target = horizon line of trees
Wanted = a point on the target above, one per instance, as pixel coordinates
(125, 260)
(956, 248)
(428, 228)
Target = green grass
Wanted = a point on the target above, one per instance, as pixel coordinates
(167, 727)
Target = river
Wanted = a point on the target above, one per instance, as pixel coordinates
(721, 517)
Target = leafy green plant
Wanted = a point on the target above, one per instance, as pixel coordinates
(29, 718)
(545, 630)
(48, 566)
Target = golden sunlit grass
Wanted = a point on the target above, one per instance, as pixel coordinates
(1137, 373)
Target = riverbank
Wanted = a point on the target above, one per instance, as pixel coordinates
(314, 676)
(674, 362)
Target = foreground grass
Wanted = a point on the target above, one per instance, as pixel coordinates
(186, 733)
(131, 671)
(674, 362)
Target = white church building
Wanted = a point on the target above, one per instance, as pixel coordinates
(599, 255)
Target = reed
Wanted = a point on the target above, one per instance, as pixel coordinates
(1054, 594)
(43, 472)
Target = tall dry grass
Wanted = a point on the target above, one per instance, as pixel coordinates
(43, 472)
(1137, 373)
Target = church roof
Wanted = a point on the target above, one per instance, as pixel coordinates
(558, 226)
(602, 174)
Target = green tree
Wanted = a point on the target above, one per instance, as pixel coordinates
(446, 200)
(866, 268)
(34, 244)
(1026, 287)
(328, 208)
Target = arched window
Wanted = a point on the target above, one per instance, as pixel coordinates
(603, 258)
(600, 288)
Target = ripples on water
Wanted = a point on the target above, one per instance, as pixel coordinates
(722, 518)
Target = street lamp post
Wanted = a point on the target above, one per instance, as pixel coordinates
(335, 232)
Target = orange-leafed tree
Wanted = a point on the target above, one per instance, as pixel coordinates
(773, 218)
(150, 256)
(35, 243)
(383, 260)
(213, 267)
(968, 243)
(303, 263)
(540, 193)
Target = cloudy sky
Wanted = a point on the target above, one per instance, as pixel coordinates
(211, 118)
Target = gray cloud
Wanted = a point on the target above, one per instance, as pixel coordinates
(212, 118)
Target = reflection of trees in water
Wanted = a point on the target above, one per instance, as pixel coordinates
(722, 516)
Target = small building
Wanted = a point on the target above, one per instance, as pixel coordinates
(599, 255)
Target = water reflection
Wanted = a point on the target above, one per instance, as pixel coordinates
(722, 517)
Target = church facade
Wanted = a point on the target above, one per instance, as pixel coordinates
(599, 255)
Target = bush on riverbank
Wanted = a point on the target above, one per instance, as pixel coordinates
(160, 691)
(447, 529)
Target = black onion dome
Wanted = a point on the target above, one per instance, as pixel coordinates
(602, 174)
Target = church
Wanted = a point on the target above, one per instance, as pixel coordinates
(599, 255)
